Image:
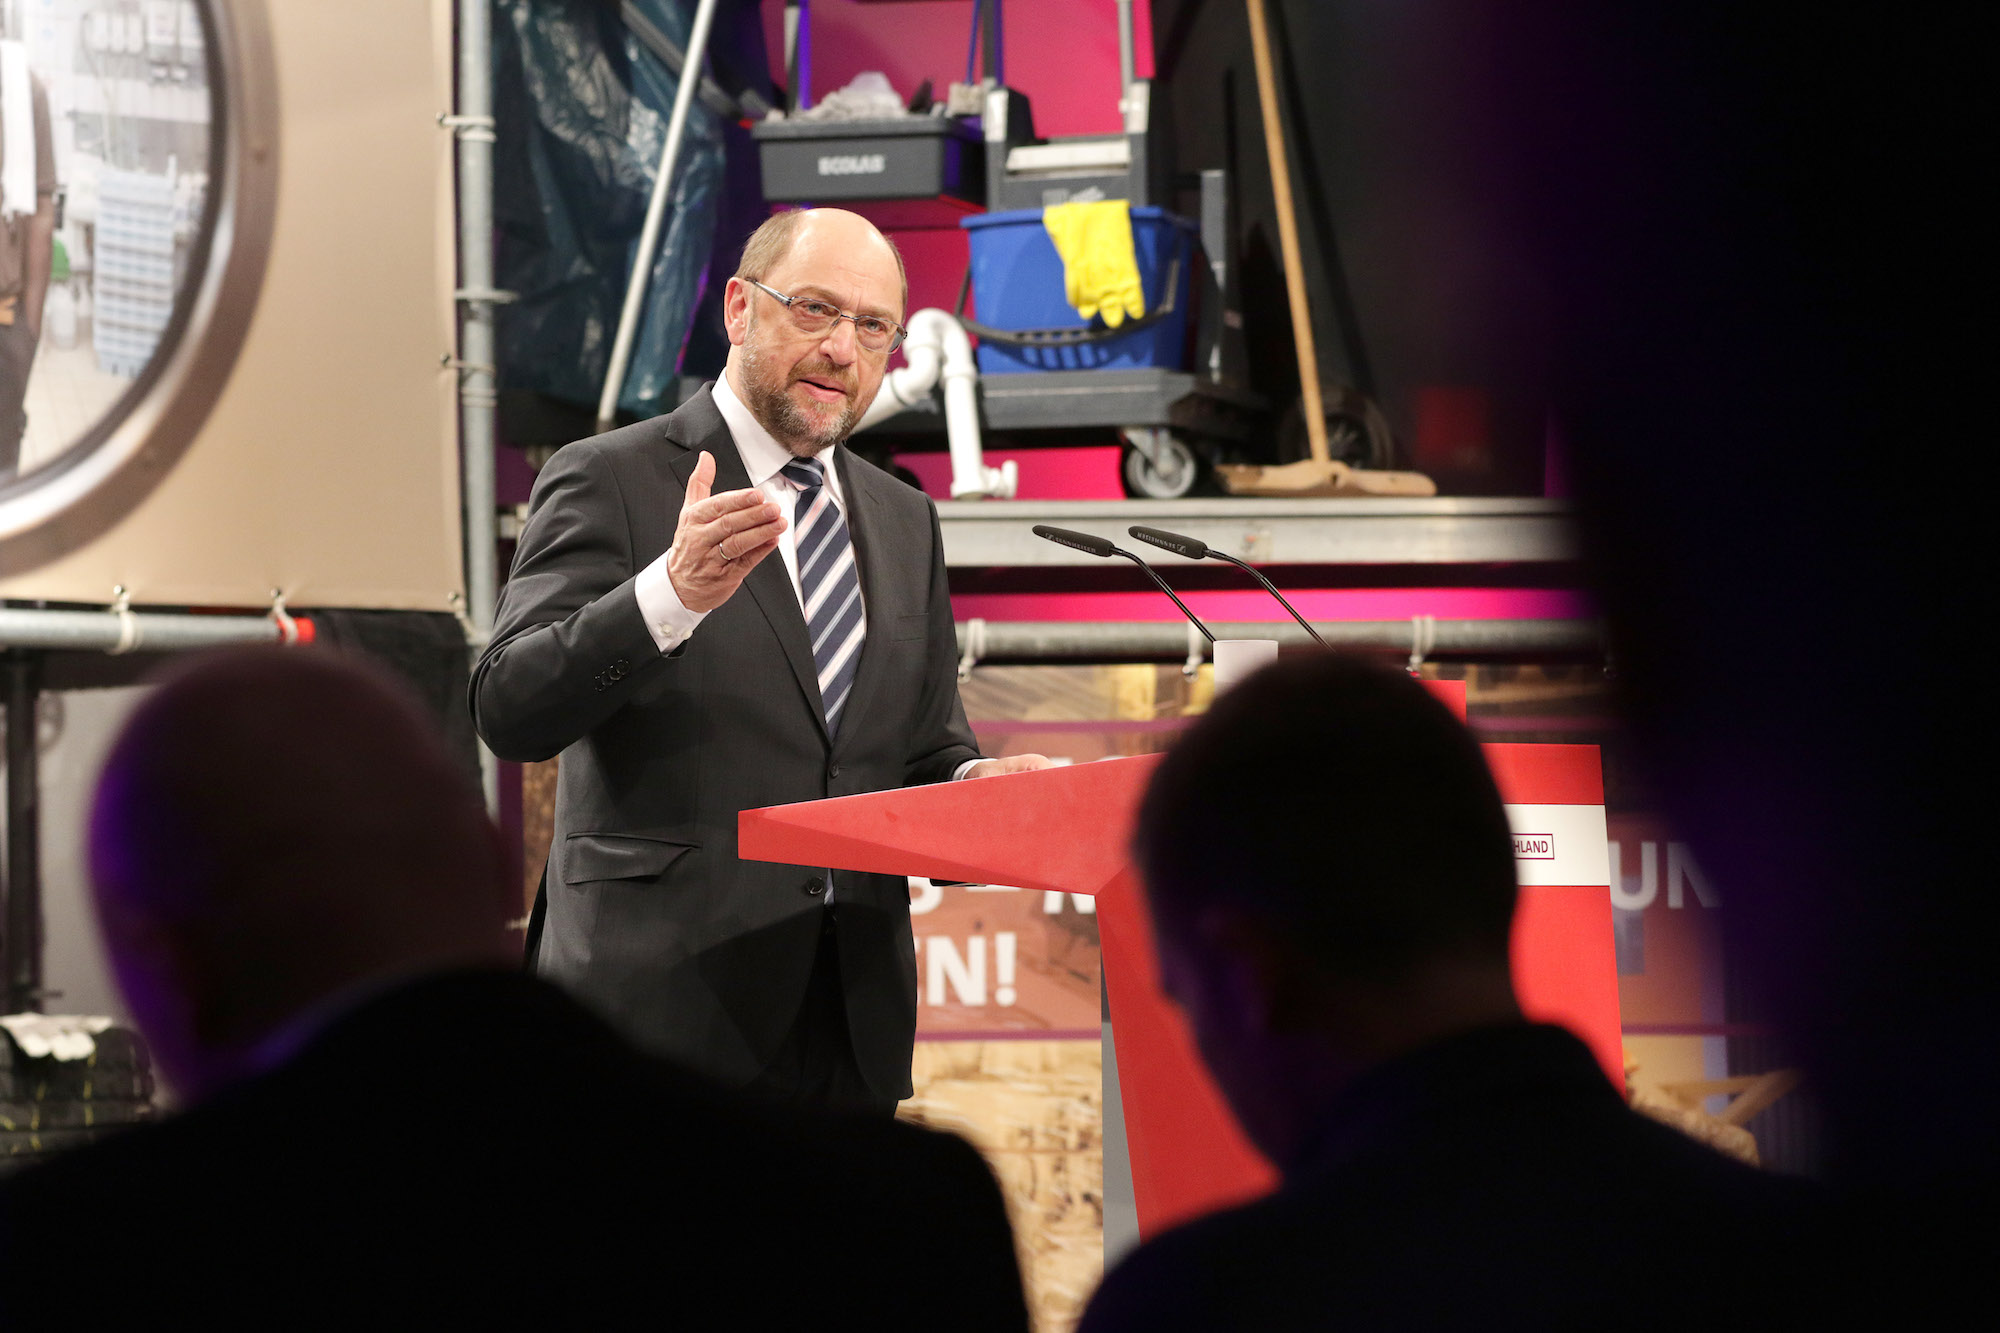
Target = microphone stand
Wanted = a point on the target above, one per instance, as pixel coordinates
(1196, 550)
(1099, 546)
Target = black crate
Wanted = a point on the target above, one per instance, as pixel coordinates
(917, 157)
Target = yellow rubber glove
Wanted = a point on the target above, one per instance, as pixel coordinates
(1100, 269)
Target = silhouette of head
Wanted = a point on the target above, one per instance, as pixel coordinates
(1332, 881)
(275, 829)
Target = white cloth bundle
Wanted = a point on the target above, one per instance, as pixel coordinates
(868, 97)
(65, 1036)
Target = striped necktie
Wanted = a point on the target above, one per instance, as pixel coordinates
(829, 586)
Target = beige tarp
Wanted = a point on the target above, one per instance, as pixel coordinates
(328, 467)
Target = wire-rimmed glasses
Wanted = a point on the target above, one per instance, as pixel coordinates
(813, 315)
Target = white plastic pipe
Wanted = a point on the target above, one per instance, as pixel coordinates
(912, 383)
(938, 347)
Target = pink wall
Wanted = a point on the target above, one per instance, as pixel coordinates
(1256, 605)
(1078, 473)
(1062, 53)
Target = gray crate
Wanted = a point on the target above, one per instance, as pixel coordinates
(917, 157)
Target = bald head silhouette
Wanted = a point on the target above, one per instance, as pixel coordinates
(1332, 882)
(275, 830)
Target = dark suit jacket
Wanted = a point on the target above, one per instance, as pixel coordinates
(1492, 1181)
(652, 919)
(476, 1150)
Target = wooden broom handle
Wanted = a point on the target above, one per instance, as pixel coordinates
(1288, 233)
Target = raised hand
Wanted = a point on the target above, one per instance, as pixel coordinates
(720, 539)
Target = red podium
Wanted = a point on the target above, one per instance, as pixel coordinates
(1066, 829)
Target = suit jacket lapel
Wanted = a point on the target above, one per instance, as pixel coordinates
(874, 556)
(768, 584)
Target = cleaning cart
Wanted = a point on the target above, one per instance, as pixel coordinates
(1047, 374)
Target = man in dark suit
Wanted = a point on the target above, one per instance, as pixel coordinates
(1331, 875)
(385, 1122)
(685, 675)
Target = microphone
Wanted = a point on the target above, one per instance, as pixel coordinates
(1101, 546)
(1196, 550)
(1076, 541)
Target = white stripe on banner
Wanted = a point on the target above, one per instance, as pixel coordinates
(1560, 844)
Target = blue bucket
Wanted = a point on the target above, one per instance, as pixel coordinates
(1017, 283)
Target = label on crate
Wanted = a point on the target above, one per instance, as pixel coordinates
(853, 164)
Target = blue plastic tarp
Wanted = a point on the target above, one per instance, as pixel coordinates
(582, 110)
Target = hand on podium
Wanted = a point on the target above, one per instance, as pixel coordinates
(1014, 763)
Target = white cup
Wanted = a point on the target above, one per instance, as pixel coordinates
(1237, 658)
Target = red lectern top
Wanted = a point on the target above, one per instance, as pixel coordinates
(1067, 829)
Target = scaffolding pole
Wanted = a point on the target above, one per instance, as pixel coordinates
(478, 377)
(116, 631)
(1422, 636)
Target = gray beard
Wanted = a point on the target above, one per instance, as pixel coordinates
(803, 435)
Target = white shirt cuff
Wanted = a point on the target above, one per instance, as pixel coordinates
(958, 774)
(667, 620)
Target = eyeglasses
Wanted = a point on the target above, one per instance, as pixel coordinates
(813, 315)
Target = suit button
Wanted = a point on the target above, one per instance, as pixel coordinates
(621, 666)
(834, 771)
(815, 886)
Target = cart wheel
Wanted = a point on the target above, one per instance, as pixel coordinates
(1173, 477)
(1356, 431)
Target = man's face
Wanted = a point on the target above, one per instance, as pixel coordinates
(809, 389)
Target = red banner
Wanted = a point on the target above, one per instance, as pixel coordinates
(1002, 962)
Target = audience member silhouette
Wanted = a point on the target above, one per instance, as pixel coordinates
(1794, 632)
(386, 1123)
(1331, 877)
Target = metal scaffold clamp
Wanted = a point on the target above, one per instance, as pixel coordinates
(475, 637)
(1423, 641)
(476, 129)
(128, 624)
(975, 648)
(475, 381)
(288, 625)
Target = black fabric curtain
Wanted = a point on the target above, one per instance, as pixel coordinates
(426, 650)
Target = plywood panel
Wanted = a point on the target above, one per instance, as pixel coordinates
(1034, 1109)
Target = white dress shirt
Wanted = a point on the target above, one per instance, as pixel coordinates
(668, 620)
